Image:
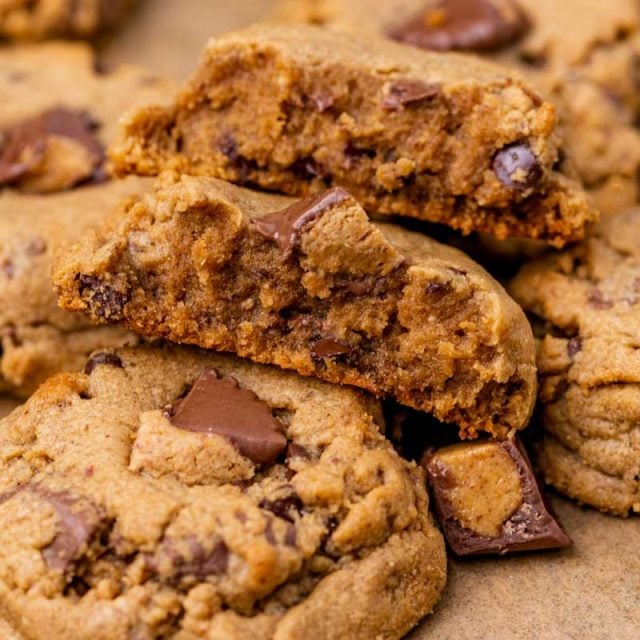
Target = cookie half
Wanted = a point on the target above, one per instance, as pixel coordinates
(437, 137)
(171, 492)
(588, 300)
(313, 286)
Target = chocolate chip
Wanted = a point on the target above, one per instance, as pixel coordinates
(468, 25)
(219, 406)
(26, 142)
(106, 302)
(291, 535)
(598, 300)
(269, 534)
(200, 563)
(283, 507)
(297, 451)
(78, 522)
(574, 346)
(409, 92)
(284, 227)
(102, 358)
(517, 166)
(229, 147)
(307, 168)
(438, 287)
(329, 347)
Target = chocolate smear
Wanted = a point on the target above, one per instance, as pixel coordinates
(284, 227)
(218, 406)
(464, 25)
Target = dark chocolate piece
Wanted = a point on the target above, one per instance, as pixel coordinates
(517, 166)
(284, 508)
(574, 346)
(464, 25)
(532, 527)
(26, 142)
(409, 92)
(284, 226)
(219, 406)
(330, 347)
(102, 358)
(200, 563)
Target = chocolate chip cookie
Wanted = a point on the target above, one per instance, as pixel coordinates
(583, 53)
(59, 112)
(313, 286)
(42, 19)
(171, 492)
(588, 301)
(438, 137)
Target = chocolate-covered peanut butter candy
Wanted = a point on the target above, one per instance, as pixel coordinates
(488, 499)
(374, 117)
(122, 518)
(315, 286)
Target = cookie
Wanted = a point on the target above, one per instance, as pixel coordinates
(437, 137)
(59, 113)
(588, 301)
(178, 493)
(583, 53)
(314, 286)
(488, 499)
(42, 19)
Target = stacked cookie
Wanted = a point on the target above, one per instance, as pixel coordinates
(230, 473)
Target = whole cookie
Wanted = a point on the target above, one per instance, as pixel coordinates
(583, 53)
(41, 19)
(169, 492)
(588, 302)
(57, 114)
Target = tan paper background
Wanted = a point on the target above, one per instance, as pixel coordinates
(591, 592)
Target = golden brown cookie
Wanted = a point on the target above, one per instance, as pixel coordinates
(178, 493)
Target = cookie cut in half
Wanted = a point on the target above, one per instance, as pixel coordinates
(588, 303)
(170, 492)
(313, 286)
(439, 137)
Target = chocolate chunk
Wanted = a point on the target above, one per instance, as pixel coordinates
(517, 166)
(78, 521)
(102, 358)
(409, 92)
(106, 301)
(465, 25)
(574, 346)
(530, 526)
(219, 406)
(26, 142)
(297, 451)
(329, 347)
(284, 508)
(198, 562)
(284, 226)
(291, 535)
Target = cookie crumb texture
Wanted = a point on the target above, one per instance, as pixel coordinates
(118, 520)
(42, 19)
(316, 287)
(438, 137)
(588, 301)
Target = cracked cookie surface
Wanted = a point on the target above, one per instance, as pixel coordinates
(313, 286)
(371, 116)
(171, 492)
(583, 53)
(588, 302)
(43, 19)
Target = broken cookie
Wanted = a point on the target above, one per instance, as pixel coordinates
(313, 286)
(488, 499)
(130, 507)
(432, 136)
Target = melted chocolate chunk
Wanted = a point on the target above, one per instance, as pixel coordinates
(106, 301)
(199, 562)
(102, 358)
(464, 25)
(284, 508)
(285, 226)
(532, 527)
(219, 406)
(78, 521)
(517, 166)
(26, 142)
(329, 347)
(409, 92)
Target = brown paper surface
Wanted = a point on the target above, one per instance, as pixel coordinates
(590, 592)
